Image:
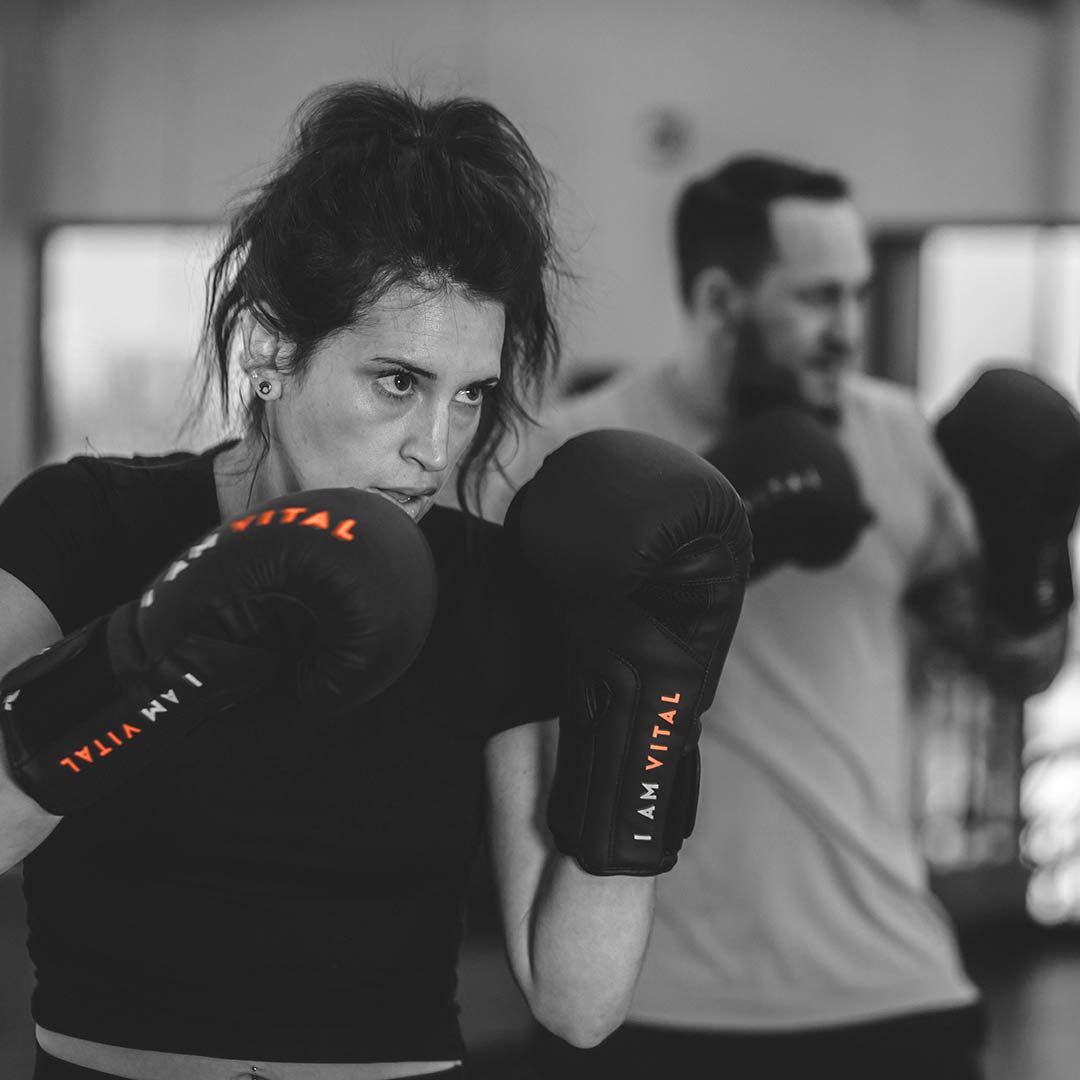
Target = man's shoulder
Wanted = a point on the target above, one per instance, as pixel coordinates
(883, 395)
(886, 407)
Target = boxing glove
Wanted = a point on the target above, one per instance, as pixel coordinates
(1013, 442)
(329, 593)
(800, 490)
(642, 549)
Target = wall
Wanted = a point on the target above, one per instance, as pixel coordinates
(935, 108)
(20, 58)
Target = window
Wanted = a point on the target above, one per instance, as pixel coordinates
(121, 312)
(995, 783)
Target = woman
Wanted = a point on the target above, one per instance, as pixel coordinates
(280, 893)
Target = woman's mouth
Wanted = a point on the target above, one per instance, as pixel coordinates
(409, 499)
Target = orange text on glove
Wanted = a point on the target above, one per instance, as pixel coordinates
(650, 789)
(96, 749)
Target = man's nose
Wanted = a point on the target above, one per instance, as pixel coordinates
(846, 327)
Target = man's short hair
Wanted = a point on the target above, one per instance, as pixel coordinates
(723, 219)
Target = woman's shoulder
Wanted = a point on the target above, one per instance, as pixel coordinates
(90, 531)
(87, 480)
(169, 493)
(54, 500)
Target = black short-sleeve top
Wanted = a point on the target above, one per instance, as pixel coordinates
(282, 887)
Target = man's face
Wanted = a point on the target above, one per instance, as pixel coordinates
(808, 307)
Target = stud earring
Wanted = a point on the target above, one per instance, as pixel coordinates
(266, 388)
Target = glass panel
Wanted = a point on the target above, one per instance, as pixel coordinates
(968, 773)
(122, 308)
(1050, 791)
(1006, 295)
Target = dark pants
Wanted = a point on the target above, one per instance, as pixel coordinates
(47, 1067)
(943, 1045)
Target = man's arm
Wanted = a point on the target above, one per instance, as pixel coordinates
(953, 608)
(1012, 444)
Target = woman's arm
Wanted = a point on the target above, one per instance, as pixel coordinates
(26, 627)
(641, 599)
(575, 941)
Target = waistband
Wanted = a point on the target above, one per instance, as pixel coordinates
(47, 1067)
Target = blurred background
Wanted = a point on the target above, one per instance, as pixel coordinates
(125, 126)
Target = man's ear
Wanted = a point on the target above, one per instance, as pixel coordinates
(263, 348)
(716, 299)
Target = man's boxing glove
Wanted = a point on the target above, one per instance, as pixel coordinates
(330, 593)
(800, 489)
(643, 549)
(1013, 442)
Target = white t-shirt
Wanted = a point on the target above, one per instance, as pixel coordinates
(801, 899)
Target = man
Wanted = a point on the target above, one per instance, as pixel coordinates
(800, 937)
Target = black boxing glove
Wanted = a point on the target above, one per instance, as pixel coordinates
(643, 549)
(1013, 442)
(800, 489)
(329, 592)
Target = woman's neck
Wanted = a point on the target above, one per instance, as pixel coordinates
(242, 476)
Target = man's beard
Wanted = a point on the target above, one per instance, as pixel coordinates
(758, 384)
(829, 415)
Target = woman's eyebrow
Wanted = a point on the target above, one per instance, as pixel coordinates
(415, 369)
(412, 368)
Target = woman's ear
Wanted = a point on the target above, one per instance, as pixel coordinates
(263, 349)
(716, 300)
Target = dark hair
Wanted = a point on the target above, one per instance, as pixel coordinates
(723, 219)
(379, 188)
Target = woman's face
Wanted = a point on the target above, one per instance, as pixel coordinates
(391, 404)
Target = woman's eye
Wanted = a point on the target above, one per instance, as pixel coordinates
(477, 393)
(399, 384)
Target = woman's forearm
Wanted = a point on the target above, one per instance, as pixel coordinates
(587, 938)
